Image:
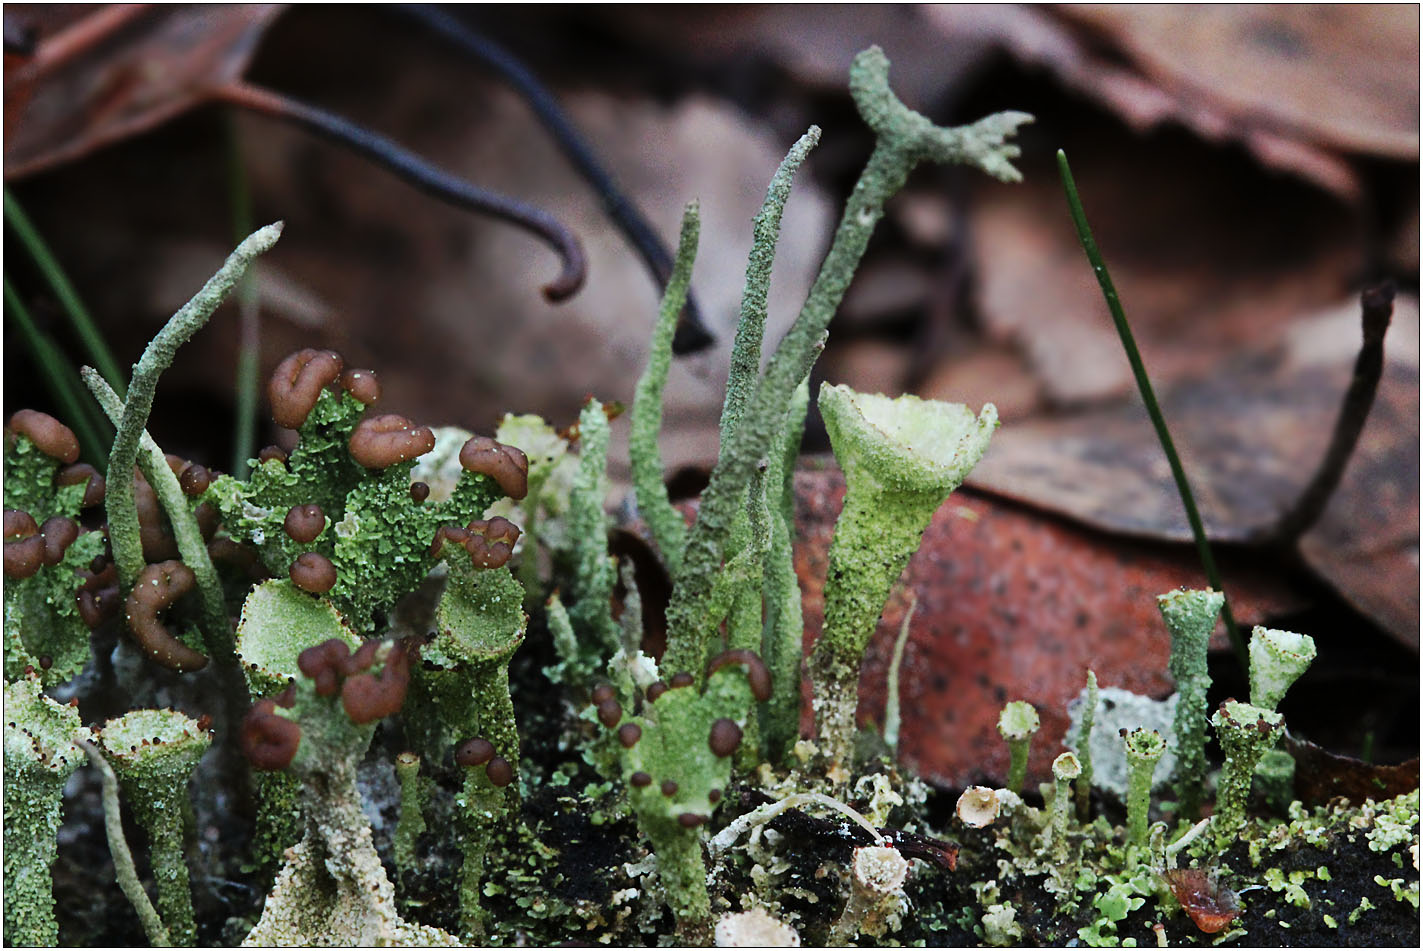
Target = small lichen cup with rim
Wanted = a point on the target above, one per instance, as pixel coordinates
(902, 457)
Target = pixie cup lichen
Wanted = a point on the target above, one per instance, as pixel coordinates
(1144, 748)
(1065, 769)
(154, 753)
(40, 754)
(1246, 733)
(1017, 724)
(902, 458)
(1190, 617)
(1277, 659)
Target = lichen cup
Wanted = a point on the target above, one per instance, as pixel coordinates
(902, 457)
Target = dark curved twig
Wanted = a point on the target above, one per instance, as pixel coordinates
(692, 334)
(423, 176)
(1377, 304)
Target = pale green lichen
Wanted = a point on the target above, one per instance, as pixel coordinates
(332, 889)
(1277, 659)
(668, 529)
(278, 622)
(1017, 724)
(675, 759)
(904, 139)
(43, 627)
(154, 753)
(902, 458)
(1275, 777)
(414, 792)
(1065, 769)
(1143, 749)
(1083, 746)
(157, 357)
(1190, 617)
(40, 754)
(1245, 733)
(593, 571)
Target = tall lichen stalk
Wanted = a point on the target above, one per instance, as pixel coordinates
(904, 139)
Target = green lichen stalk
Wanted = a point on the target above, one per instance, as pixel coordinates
(1017, 724)
(1190, 617)
(1246, 733)
(1065, 769)
(904, 139)
(1084, 748)
(665, 522)
(40, 755)
(414, 790)
(1144, 748)
(594, 570)
(783, 634)
(154, 753)
(119, 499)
(901, 457)
(191, 544)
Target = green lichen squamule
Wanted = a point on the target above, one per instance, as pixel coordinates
(1190, 617)
(154, 753)
(902, 458)
(40, 755)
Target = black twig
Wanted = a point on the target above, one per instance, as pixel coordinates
(1377, 304)
(692, 334)
(426, 177)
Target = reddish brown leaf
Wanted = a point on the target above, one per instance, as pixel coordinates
(1211, 907)
(1011, 606)
(120, 71)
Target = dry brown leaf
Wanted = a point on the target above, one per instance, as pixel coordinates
(1208, 258)
(1321, 775)
(1250, 437)
(1343, 76)
(120, 71)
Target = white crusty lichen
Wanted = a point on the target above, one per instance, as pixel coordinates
(756, 928)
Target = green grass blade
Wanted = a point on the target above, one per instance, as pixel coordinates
(248, 383)
(84, 327)
(1148, 396)
(61, 380)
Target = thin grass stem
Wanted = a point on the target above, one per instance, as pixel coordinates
(1148, 396)
(60, 379)
(83, 324)
(249, 341)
